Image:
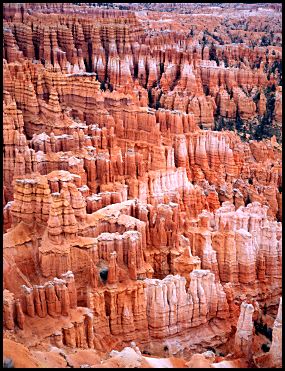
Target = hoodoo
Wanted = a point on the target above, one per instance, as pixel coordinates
(142, 185)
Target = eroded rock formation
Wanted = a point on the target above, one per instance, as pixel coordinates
(142, 184)
(243, 337)
(276, 347)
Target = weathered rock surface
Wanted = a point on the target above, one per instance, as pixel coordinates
(275, 353)
(141, 200)
(244, 333)
(171, 309)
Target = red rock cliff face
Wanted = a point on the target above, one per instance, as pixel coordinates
(127, 216)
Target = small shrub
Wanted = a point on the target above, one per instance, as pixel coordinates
(247, 201)
(8, 363)
(146, 352)
(261, 328)
(211, 349)
(265, 348)
(268, 333)
(104, 274)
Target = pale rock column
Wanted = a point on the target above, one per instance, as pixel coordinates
(113, 268)
(276, 346)
(243, 337)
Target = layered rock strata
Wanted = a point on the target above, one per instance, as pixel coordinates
(141, 200)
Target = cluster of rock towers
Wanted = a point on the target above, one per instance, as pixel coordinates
(127, 215)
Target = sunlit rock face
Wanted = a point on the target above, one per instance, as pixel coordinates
(142, 185)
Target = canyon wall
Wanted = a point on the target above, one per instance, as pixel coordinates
(142, 178)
